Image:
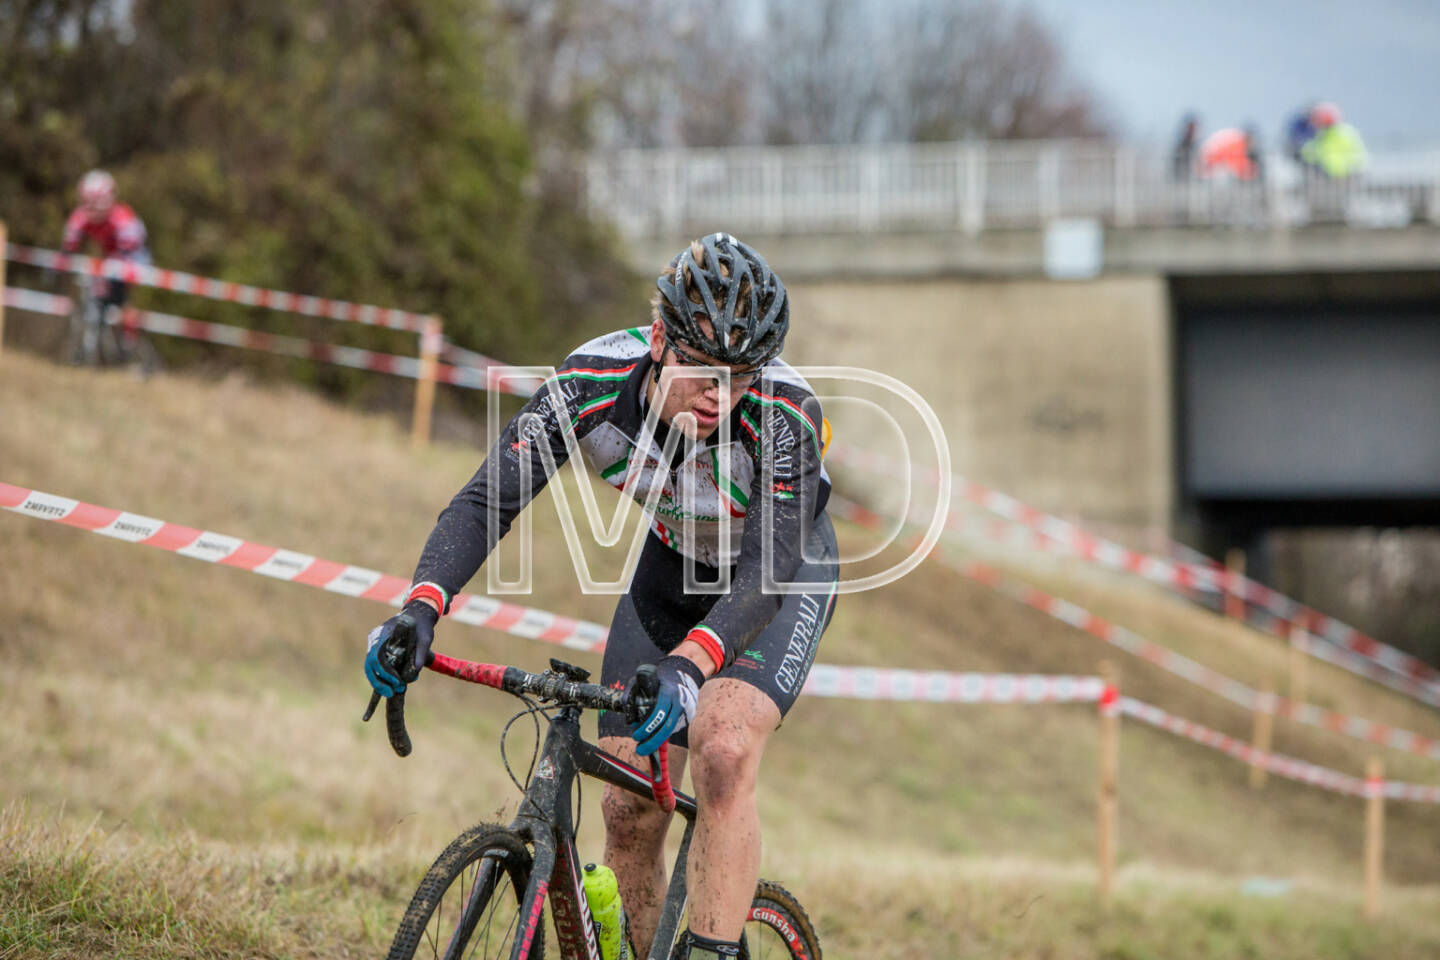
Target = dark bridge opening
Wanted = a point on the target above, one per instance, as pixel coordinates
(1305, 400)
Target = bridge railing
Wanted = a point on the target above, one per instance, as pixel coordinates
(970, 187)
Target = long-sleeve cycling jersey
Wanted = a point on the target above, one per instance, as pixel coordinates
(756, 484)
(120, 234)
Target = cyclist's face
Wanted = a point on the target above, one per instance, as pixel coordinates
(98, 208)
(690, 389)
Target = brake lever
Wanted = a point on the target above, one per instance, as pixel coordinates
(643, 694)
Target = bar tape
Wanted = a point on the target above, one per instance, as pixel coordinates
(148, 276)
(825, 680)
(1381, 662)
(484, 376)
(1163, 657)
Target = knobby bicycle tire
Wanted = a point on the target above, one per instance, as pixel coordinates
(776, 910)
(504, 851)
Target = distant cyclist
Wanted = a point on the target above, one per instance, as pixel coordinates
(744, 447)
(113, 228)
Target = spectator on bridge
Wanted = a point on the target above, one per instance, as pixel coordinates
(1253, 152)
(113, 227)
(1299, 132)
(1227, 152)
(1182, 160)
(1336, 147)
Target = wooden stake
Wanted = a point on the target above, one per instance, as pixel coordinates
(1374, 834)
(4, 237)
(1234, 592)
(431, 343)
(1263, 733)
(1108, 801)
(1299, 662)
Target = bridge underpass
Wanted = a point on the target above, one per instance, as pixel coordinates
(1305, 401)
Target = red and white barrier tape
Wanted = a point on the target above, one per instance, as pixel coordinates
(873, 683)
(148, 276)
(295, 567)
(825, 680)
(1367, 656)
(1165, 658)
(473, 377)
(37, 302)
(1276, 763)
(1008, 533)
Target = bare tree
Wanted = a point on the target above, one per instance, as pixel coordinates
(980, 70)
(820, 73)
(835, 71)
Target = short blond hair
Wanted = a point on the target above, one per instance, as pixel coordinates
(662, 311)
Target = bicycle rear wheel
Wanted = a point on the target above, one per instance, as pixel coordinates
(777, 927)
(468, 905)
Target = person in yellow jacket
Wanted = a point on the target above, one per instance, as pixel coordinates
(1336, 147)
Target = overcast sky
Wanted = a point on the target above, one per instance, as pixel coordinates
(1235, 61)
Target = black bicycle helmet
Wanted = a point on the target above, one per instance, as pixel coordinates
(722, 280)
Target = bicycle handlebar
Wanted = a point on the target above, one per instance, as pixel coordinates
(563, 684)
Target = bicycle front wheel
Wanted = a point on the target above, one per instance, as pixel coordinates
(468, 905)
(777, 927)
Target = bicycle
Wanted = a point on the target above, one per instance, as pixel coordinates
(97, 338)
(535, 855)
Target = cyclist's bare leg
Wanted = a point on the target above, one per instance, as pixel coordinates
(732, 725)
(635, 843)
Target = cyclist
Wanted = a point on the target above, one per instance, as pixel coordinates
(113, 227)
(744, 447)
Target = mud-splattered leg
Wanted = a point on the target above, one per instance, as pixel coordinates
(732, 725)
(635, 843)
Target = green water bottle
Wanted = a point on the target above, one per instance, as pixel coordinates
(603, 895)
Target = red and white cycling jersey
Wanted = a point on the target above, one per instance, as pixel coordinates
(121, 234)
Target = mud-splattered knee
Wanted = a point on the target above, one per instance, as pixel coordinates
(723, 758)
(632, 818)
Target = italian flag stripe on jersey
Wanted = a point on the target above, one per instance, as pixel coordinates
(789, 407)
(710, 642)
(736, 500)
(750, 424)
(599, 403)
(598, 375)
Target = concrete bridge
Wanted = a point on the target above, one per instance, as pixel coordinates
(1243, 353)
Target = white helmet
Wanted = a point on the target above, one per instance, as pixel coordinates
(97, 189)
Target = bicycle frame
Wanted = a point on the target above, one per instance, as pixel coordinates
(546, 819)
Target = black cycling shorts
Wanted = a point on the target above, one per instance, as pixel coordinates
(656, 613)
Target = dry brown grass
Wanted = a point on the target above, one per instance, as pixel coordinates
(213, 716)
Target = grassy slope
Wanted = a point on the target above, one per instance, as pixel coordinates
(206, 722)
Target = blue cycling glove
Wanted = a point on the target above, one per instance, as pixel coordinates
(419, 619)
(679, 694)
